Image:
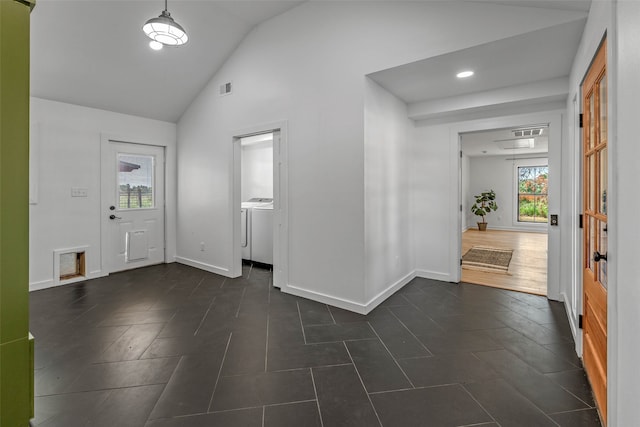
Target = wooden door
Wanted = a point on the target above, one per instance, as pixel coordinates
(594, 101)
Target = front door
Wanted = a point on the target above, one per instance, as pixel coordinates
(133, 205)
(594, 98)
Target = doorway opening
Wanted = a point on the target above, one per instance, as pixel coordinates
(508, 247)
(256, 211)
(260, 200)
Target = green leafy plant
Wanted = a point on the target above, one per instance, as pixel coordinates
(485, 203)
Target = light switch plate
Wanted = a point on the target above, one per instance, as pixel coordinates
(79, 192)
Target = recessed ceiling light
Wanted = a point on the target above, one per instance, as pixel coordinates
(464, 74)
(155, 45)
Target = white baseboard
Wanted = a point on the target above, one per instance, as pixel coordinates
(50, 283)
(573, 324)
(361, 308)
(325, 299)
(395, 287)
(434, 275)
(519, 229)
(203, 266)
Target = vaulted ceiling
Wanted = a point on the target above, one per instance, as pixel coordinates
(94, 53)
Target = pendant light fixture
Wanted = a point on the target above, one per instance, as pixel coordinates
(165, 30)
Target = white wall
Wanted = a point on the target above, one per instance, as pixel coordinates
(497, 173)
(389, 263)
(67, 140)
(436, 189)
(313, 79)
(257, 170)
(625, 298)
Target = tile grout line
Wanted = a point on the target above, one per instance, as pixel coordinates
(266, 345)
(197, 286)
(215, 386)
(479, 404)
(331, 314)
(205, 316)
(315, 390)
(163, 388)
(362, 383)
(412, 334)
(391, 355)
(304, 335)
(244, 291)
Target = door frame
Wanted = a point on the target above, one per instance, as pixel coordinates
(281, 201)
(105, 242)
(554, 119)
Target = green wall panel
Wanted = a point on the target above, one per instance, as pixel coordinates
(15, 365)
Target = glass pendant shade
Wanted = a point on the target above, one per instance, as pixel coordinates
(165, 30)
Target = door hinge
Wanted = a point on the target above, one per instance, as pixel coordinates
(460, 261)
(580, 219)
(581, 120)
(460, 153)
(460, 208)
(580, 321)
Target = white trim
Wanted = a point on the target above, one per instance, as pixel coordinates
(516, 164)
(281, 199)
(382, 296)
(544, 229)
(204, 266)
(435, 275)
(325, 299)
(554, 118)
(46, 284)
(169, 155)
(573, 323)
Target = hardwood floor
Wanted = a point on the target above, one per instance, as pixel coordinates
(528, 268)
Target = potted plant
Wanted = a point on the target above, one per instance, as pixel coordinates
(485, 203)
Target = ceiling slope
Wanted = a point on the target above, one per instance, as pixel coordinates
(94, 53)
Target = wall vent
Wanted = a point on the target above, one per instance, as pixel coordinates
(225, 89)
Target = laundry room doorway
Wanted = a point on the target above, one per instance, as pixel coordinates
(260, 200)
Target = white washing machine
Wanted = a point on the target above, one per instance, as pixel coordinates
(256, 236)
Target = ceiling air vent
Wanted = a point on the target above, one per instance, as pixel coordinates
(225, 89)
(527, 133)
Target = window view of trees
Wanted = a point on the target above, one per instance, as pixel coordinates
(533, 203)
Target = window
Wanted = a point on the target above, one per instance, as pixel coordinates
(135, 181)
(533, 204)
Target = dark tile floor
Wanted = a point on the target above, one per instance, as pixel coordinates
(171, 345)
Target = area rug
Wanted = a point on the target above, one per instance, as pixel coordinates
(488, 259)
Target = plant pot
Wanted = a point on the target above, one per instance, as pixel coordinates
(482, 226)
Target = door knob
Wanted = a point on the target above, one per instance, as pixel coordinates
(112, 216)
(597, 256)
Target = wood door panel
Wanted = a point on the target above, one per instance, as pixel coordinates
(595, 177)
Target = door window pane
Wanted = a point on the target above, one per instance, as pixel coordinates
(603, 181)
(591, 140)
(603, 109)
(591, 185)
(533, 204)
(135, 181)
(602, 248)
